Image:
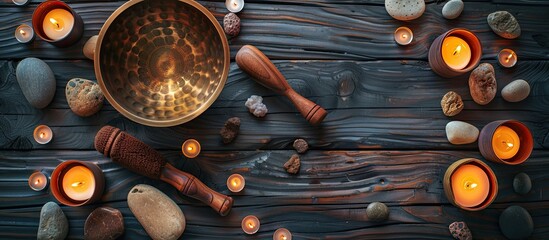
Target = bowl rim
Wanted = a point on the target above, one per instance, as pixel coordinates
(172, 122)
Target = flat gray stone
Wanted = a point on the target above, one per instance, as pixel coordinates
(459, 132)
(37, 81)
(504, 24)
(53, 223)
(522, 183)
(516, 91)
(452, 9)
(516, 223)
(84, 96)
(405, 9)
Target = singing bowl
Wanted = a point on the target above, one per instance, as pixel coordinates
(161, 63)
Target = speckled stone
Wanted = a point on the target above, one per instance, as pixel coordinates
(482, 84)
(37, 81)
(516, 91)
(459, 132)
(377, 211)
(300, 145)
(89, 47)
(460, 231)
(231, 24)
(451, 104)
(452, 9)
(53, 223)
(522, 183)
(293, 164)
(516, 223)
(104, 223)
(405, 9)
(84, 97)
(504, 24)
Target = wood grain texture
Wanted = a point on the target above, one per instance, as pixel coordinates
(326, 200)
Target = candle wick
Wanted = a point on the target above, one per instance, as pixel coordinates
(508, 57)
(22, 32)
(37, 181)
(76, 184)
(235, 4)
(42, 135)
(458, 49)
(250, 225)
(509, 145)
(404, 36)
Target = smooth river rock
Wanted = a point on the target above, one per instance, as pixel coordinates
(504, 24)
(459, 132)
(89, 47)
(84, 97)
(452, 9)
(522, 183)
(37, 81)
(516, 223)
(405, 9)
(104, 223)
(158, 214)
(482, 84)
(53, 223)
(516, 91)
(377, 211)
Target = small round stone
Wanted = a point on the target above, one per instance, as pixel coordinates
(459, 132)
(231, 24)
(452, 9)
(405, 9)
(301, 145)
(377, 211)
(516, 91)
(84, 96)
(89, 47)
(451, 104)
(516, 223)
(504, 24)
(53, 223)
(104, 223)
(522, 183)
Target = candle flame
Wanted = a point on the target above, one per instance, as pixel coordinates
(509, 145)
(235, 3)
(283, 237)
(458, 49)
(470, 185)
(54, 22)
(404, 36)
(22, 32)
(235, 182)
(42, 134)
(509, 57)
(251, 224)
(37, 181)
(76, 184)
(189, 148)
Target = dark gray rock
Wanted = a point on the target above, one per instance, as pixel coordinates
(104, 223)
(516, 223)
(37, 81)
(504, 24)
(53, 223)
(231, 24)
(377, 211)
(482, 84)
(84, 97)
(452, 9)
(230, 130)
(460, 231)
(522, 183)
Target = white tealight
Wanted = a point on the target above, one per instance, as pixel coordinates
(234, 5)
(24, 33)
(21, 2)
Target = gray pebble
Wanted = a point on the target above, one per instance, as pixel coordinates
(377, 211)
(504, 24)
(53, 223)
(516, 91)
(452, 9)
(37, 81)
(522, 183)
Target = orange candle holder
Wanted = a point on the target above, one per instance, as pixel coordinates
(492, 190)
(436, 61)
(525, 138)
(57, 186)
(38, 23)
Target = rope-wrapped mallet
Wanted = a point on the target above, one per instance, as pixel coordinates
(139, 157)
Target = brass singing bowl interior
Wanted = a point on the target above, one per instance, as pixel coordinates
(161, 63)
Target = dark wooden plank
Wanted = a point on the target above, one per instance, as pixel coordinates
(326, 31)
(327, 199)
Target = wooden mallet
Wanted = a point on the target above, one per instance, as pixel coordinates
(252, 61)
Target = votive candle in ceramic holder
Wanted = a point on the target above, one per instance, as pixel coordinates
(24, 33)
(250, 224)
(76, 183)
(282, 234)
(38, 181)
(454, 53)
(42, 134)
(506, 141)
(507, 58)
(55, 22)
(470, 184)
(403, 36)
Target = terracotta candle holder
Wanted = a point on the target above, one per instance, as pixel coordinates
(76, 183)
(65, 27)
(436, 61)
(491, 179)
(524, 135)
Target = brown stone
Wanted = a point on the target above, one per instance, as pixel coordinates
(460, 231)
(504, 24)
(292, 165)
(451, 104)
(230, 130)
(104, 223)
(84, 96)
(482, 84)
(301, 145)
(231, 24)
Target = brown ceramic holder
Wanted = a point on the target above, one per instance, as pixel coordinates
(492, 193)
(38, 22)
(435, 53)
(525, 137)
(57, 187)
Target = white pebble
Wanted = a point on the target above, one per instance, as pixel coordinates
(256, 107)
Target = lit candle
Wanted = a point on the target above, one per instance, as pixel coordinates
(190, 148)
(236, 183)
(24, 33)
(282, 234)
(21, 2)
(58, 23)
(250, 224)
(38, 181)
(507, 58)
(506, 142)
(456, 52)
(234, 5)
(42, 134)
(403, 36)
(78, 183)
(470, 185)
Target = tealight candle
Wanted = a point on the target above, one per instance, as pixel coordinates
(42, 134)
(190, 148)
(506, 142)
(75, 183)
(470, 185)
(403, 36)
(21, 2)
(236, 183)
(250, 224)
(24, 33)
(456, 52)
(78, 183)
(58, 23)
(282, 234)
(234, 5)
(55, 22)
(38, 181)
(507, 58)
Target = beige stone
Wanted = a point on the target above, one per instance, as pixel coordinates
(516, 91)
(89, 47)
(459, 132)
